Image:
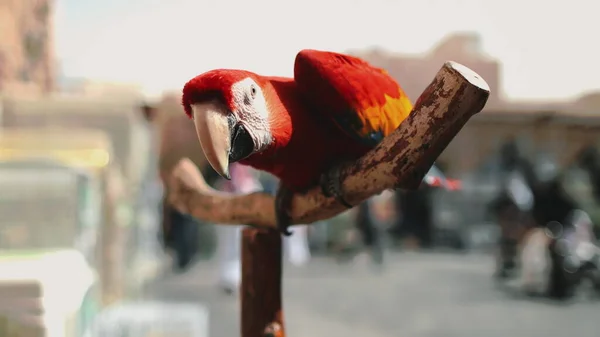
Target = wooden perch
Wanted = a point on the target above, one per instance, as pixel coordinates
(262, 314)
(401, 160)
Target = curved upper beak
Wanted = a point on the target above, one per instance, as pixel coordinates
(214, 133)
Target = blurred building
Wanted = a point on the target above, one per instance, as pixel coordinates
(26, 46)
(560, 128)
(415, 72)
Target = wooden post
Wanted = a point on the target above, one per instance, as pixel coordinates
(262, 313)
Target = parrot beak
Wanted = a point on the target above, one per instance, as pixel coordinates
(222, 138)
(213, 130)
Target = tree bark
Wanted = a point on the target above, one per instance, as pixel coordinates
(262, 314)
(401, 160)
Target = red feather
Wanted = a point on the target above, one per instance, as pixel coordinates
(215, 83)
(336, 108)
(364, 101)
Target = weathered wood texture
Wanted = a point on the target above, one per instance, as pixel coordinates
(399, 161)
(262, 313)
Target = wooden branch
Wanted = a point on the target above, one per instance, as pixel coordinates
(401, 160)
(262, 314)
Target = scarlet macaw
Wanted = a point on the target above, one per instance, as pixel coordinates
(335, 109)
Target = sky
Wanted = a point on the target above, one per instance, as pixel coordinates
(160, 44)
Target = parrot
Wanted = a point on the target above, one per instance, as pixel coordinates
(334, 110)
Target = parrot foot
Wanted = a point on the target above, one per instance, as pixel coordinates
(283, 201)
(331, 185)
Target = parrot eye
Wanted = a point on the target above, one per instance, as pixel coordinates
(252, 95)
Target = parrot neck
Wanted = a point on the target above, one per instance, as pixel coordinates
(287, 116)
(284, 108)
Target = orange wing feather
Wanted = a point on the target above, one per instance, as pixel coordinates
(364, 101)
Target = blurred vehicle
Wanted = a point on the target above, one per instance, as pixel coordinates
(60, 240)
(580, 254)
(48, 239)
(561, 261)
(460, 214)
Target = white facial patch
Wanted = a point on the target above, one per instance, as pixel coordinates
(252, 112)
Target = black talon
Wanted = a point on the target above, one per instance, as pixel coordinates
(331, 186)
(283, 201)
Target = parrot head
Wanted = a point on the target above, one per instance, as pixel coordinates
(231, 113)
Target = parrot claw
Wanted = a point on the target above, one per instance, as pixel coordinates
(283, 200)
(331, 186)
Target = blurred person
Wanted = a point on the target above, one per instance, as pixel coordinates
(589, 160)
(150, 186)
(535, 188)
(552, 202)
(370, 216)
(415, 223)
(369, 223)
(512, 207)
(147, 204)
(513, 223)
(586, 249)
(179, 232)
(584, 227)
(181, 237)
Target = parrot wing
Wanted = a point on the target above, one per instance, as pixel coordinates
(365, 102)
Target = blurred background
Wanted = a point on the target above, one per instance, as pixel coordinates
(499, 239)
